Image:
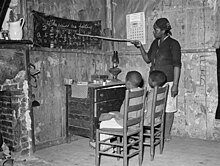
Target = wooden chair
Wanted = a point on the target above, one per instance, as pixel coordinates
(129, 139)
(154, 132)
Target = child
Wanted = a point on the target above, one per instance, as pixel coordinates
(133, 81)
(156, 78)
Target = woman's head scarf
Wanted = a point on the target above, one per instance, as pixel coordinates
(163, 24)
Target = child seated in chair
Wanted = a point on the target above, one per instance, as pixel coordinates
(133, 81)
(156, 78)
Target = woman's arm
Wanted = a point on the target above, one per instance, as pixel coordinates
(174, 89)
(176, 52)
(144, 54)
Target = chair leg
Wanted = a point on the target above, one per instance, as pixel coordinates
(97, 149)
(162, 138)
(152, 152)
(125, 160)
(140, 157)
(97, 160)
(118, 148)
(125, 152)
(161, 145)
(143, 152)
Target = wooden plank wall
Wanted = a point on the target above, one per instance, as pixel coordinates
(84, 10)
(194, 23)
(54, 66)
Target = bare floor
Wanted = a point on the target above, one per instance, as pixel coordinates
(177, 152)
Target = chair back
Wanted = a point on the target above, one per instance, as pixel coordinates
(128, 141)
(155, 130)
(158, 105)
(134, 108)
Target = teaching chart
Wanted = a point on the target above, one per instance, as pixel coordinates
(54, 32)
(135, 26)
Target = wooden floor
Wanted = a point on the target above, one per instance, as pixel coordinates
(177, 152)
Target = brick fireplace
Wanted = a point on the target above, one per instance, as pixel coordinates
(13, 117)
(15, 108)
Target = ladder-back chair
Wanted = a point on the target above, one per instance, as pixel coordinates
(129, 139)
(154, 131)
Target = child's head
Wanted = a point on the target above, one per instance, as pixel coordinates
(157, 78)
(133, 80)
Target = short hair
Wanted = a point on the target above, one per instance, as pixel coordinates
(158, 77)
(135, 78)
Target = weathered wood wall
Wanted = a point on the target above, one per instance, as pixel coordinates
(197, 100)
(194, 23)
(55, 66)
(11, 64)
(84, 10)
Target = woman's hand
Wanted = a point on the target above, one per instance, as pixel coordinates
(136, 43)
(174, 90)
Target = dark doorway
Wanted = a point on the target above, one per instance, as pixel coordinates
(217, 115)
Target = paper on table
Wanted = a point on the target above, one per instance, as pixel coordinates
(80, 90)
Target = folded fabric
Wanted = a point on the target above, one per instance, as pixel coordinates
(105, 116)
(79, 91)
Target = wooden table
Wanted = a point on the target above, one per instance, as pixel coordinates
(83, 113)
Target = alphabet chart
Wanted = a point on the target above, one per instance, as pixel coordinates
(135, 26)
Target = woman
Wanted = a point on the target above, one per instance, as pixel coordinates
(165, 55)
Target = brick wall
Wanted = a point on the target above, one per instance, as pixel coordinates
(14, 116)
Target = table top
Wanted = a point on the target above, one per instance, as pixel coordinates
(100, 85)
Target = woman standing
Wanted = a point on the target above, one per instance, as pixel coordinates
(165, 55)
